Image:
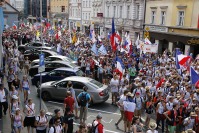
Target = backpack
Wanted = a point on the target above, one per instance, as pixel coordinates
(93, 128)
(83, 100)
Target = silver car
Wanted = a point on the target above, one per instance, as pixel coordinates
(57, 89)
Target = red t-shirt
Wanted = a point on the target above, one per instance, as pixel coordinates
(69, 101)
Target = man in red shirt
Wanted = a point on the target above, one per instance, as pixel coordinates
(98, 127)
(69, 101)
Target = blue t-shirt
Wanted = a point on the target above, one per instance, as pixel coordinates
(87, 96)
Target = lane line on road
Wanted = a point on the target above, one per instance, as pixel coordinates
(110, 131)
(90, 109)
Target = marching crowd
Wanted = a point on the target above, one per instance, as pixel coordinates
(150, 81)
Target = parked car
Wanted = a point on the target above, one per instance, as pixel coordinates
(31, 45)
(51, 66)
(57, 74)
(39, 48)
(57, 89)
(34, 54)
(54, 58)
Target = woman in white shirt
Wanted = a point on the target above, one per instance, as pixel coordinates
(57, 127)
(114, 83)
(41, 122)
(26, 87)
(29, 111)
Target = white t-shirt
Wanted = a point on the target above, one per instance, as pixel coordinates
(41, 120)
(149, 131)
(2, 95)
(57, 128)
(122, 99)
(114, 85)
(30, 110)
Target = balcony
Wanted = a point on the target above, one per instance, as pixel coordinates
(125, 22)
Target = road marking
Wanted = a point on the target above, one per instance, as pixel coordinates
(110, 131)
(102, 119)
(89, 109)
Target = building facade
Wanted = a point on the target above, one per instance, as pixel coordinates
(75, 15)
(173, 24)
(128, 16)
(98, 11)
(86, 16)
(10, 14)
(58, 12)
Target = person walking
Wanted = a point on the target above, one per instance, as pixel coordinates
(3, 100)
(83, 98)
(68, 120)
(97, 126)
(57, 126)
(17, 121)
(69, 102)
(26, 87)
(41, 122)
(29, 120)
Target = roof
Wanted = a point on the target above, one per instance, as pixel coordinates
(68, 69)
(11, 7)
(78, 78)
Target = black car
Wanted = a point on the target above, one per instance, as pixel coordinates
(51, 66)
(34, 54)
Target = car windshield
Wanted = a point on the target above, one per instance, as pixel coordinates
(72, 65)
(67, 59)
(96, 83)
(80, 73)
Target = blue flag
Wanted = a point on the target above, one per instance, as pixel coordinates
(94, 49)
(194, 76)
(177, 52)
(102, 50)
(1, 20)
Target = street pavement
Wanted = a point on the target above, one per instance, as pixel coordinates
(110, 113)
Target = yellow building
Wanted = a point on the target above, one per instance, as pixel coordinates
(173, 24)
(59, 11)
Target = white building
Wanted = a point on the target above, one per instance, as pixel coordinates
(86, 15)
(98, 11)
(128, 14)
(75, 15)
(18, 4)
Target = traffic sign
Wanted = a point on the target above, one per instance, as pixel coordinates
(41, 63)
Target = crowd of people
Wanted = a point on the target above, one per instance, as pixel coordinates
(151, 81)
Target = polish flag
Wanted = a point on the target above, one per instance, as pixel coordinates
(146, 41)
(14, 26)
(182, 59)
(129, 108)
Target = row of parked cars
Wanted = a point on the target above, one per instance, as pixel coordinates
(59, 70)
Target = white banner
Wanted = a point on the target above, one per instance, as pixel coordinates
(153, 48)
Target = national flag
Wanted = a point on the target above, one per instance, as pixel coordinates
(112, 38)
(160, 83)
(99, 38)
(74, 38)
(146, 41)
(94, 49)
(182, 59)
(194, 77)
(137, 41)
(120, 67)
(177, 52)
(126, 35)
(48, 25)
(14, 26)
(129, 108)
(102, 50)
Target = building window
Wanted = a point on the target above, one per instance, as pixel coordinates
(83, 16)
(163, 17)
(137, 11)
(62, 8)
(128, 11)
(180, 18)
(108, 11)
(152, 17)
(114, 11)
(120, 11)
(89, 16)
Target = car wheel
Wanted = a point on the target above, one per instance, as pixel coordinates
(38, 84)
(45, 96)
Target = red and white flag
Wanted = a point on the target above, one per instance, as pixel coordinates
(182, 59)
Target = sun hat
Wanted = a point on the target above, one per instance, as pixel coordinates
(17, 109)
(15, 97)
(152, 125)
